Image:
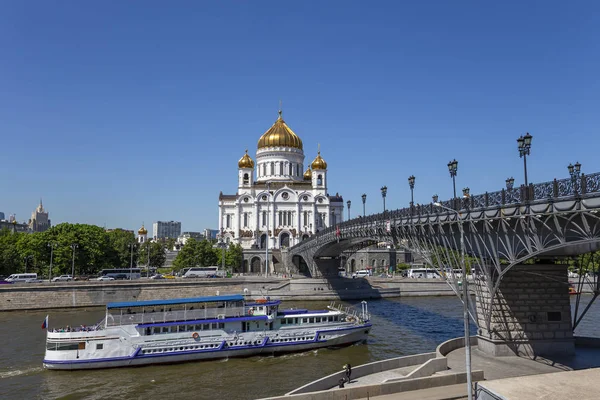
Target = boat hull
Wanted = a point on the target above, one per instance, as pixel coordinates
(351, 335)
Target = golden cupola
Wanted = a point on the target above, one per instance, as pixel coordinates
(308, 174)
(142, 230)
(279, 135)
(319, 163)
(246, 161)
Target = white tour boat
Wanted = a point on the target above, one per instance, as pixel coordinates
(201, 328)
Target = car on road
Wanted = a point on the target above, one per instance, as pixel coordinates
(105, 278)
(157, 276)
(169, 276)
(360, 274)
(62, 278)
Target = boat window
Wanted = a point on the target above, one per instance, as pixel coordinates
(198, 327)
(304, 320)
(67, 346)
(221, 325)
(190, 328)
(311, 320)
(165, 329)
(50, 346)
(283, 321)
(296, 321)
(156, 330)
(99, 346)
(205, 327)
(318, 319)
(81, 346)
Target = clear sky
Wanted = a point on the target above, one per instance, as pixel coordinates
(123, 112)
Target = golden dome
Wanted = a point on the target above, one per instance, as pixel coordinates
(279, 135)
(308, 174)
(142, 230)
(319, 163)
(246, 161)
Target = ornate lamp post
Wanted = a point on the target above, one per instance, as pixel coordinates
(435, 198)
(453, 169)
(465, 295)
(52, 246)
(364, 199)
(349, 203)
(510, 182)
(575, 172)
(383, 194)
(524, 143)
(466, 192)
(74, 246)
(411, 183)
(131, 245)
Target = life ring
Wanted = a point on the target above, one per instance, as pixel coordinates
(250, 311)
(195, 335)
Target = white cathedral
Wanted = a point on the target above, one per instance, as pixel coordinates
(277, 202)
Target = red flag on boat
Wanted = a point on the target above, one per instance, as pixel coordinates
(45, 323)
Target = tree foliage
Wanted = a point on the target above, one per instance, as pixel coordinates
(158, 254)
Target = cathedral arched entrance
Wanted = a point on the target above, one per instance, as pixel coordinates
(353, 265)
(304, 237)
(255, 265)
(284, 240)
(263, 241)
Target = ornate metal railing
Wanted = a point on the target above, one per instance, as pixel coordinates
(539, 192)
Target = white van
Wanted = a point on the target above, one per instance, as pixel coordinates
(423, 273)
(29, 278)
(360, 274)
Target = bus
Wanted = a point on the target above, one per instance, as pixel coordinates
(204, 272)
(423, 273)
(122, 273)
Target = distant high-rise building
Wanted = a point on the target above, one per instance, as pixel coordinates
(211, 233)
(166, 229)
(39, 221)
(1, 216)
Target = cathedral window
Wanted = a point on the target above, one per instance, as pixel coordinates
(280, 218)
(264, 218)
(305, 223)
(290, 218)
(264, 169)
(281, 168)
(272, 168)
(228, 221)
(297, 169)
(245, 220)
(246, 179)
(290, 166)
(320, 180)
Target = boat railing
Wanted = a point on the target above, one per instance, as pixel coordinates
(361, 317)
(131, 317)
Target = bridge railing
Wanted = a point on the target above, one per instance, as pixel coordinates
(555, 189)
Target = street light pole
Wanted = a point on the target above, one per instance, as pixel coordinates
(364, 199)
(73, 246)
(411, 183)
(453, 169)
(131, 262)
(349, 203)
(575, 172)
(465, 295)
(524, 143)
(52, 246)
(383, 194)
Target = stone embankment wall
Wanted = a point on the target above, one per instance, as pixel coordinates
(89, 294)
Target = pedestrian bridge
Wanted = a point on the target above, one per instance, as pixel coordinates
(515, 241)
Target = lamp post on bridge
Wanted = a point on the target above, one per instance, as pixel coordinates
(465, 294)
(524, 143)
(411, 183)
(349, 203)
(364, 199)
(510, 182)
(575, 172)
(383, 194)
(52, 246)
(453, 169)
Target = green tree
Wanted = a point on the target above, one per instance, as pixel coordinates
(119, 250)
(170, 244)
(158, 254)
(196, 253)
(233, 258)
(9, 256)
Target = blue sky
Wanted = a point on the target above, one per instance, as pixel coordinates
(118, 113)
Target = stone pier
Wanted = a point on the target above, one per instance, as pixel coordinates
(530, 314)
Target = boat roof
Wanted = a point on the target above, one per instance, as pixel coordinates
(207, 299)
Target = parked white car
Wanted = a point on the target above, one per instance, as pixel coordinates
(360, 274)
(62, 278)
(105, 278)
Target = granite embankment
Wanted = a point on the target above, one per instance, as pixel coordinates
(89, 294)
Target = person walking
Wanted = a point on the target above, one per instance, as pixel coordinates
(348, 369)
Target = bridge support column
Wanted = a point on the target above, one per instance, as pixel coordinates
(530, 314)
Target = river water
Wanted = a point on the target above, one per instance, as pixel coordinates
(400, 327)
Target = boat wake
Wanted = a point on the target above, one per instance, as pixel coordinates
(17, 372)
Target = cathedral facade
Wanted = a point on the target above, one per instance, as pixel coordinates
(278, 202)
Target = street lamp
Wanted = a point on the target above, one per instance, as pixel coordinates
(131, 246)
(524, 143)
(222, 245)
(73, 246)
(465, 294)
(453, 169)
(466, 192)
(52, 246)
(364, 199)
(510, 183)
(435, 198)
(26, 260)
(349, 203)
(575, 172)
(411, 183)
(383, 194)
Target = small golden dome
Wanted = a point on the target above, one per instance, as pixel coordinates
(308, 174)
(319, 163)
(280, 135)
(246, 161)
(142, 230)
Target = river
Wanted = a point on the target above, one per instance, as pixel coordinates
(401, 326)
